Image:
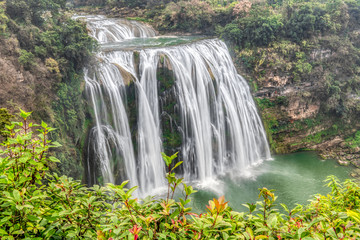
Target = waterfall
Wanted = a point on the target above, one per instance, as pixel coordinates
(221, 130)
(111, 137)
(106, 30)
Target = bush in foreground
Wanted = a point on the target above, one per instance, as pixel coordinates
(38, 204)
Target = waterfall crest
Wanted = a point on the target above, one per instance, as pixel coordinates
(106, 30)
(221, 130)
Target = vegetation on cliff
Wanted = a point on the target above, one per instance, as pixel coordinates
(43, 51)
(306, 52)
(303, 52)
(37, 204)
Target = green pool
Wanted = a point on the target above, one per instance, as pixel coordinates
(295, 177)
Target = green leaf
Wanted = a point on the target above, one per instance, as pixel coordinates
(175, 213)
(4, 220)
(43, 124)
(353, 215)
(33, 218)
(285, 207)
(124, 183)
(24, 114)
(117, 231)
(332, 233)
(166, 159)
(16, 195)
(261, 237)
(176, 165)
(131, 190)
(225, 236)
(272, 220)
(53, 159)
(151, 234)
(55, 144)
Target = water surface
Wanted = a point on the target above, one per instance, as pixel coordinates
(295, 177)
(149, 42)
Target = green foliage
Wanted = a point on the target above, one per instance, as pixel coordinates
(282, 101)
(35, 204)
(322, 135)
(4, 120)
(316, 50)
(66, 42)
(264, 103)
(52, 65)
(55, 36)
(354, 141)
(170, 119)
(186, 16)
(69, 108)
(48, 36)
(303, 22)
(271, 122)
(260, 28)
(26, 59)
(3, 18)
(33, 11)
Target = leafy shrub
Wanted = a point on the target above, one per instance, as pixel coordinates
(37, 204)
(3, 18)
(46, 33)
(264, 103)
(26, 59)
(32, 11)
(282, 101)
(259, 28)
(52, 65)
(4, 120)
(187, 16)
(354, 141)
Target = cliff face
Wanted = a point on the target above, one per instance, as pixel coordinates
(36, 90)
(308, 94)
(31, 89)
(42, 52)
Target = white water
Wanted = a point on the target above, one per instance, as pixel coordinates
(106, 30)
(222, 131)
(111, 137)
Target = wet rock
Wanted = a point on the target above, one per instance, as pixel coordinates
(355, 173)
(343, 163)
(342, 145)
(127, 77)
(356, 163)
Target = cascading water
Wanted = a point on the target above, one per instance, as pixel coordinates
(221, 130)
(111, 137)
(106, 30)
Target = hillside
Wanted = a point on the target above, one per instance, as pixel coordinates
(42, 52)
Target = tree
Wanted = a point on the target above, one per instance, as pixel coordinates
(3, 18)
(32, 11)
